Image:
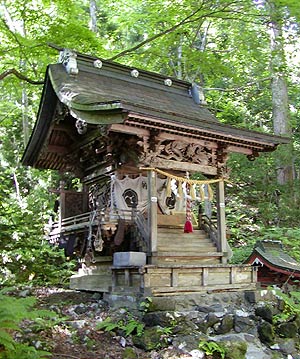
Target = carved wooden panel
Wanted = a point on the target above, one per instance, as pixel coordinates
(181, 151)
(74, 203)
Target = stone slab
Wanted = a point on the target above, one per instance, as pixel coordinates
(128, 259)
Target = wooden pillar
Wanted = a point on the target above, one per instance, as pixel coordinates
(152, 210)
(62, 203)
(221, 220)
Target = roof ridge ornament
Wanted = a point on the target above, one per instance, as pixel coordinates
(134, 73)
(168, 82)
(197, 94)
(68, 57)
(98, 64)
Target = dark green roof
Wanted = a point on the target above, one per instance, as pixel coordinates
(271, 253)
(105, 92)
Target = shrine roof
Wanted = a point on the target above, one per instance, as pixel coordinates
(271, 254)
(101, 92)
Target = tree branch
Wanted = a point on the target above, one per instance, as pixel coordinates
(19, 76)
(167, 31)
(66, 355)
(189, 19)
(234, 89)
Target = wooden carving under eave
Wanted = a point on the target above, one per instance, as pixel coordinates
(222, 157)
(124, 148)
(181, 151)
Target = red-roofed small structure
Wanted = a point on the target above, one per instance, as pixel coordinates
(274, 266)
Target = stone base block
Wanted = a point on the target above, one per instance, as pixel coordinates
(128, 259)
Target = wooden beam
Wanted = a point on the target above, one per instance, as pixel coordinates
(169, 136)
(152, 195)
(132, 130)
(238, 149)
(57, 149)
(183, 166)
(221, 219)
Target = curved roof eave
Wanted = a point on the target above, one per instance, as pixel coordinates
(42, 125)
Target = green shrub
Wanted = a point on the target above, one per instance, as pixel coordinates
(12, 312)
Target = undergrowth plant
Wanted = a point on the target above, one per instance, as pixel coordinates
(291, 305)
(128, 326)
(212, 348)
(12, 312)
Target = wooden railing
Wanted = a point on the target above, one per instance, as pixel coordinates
(142, 230)
(210, 227)
(84, 221)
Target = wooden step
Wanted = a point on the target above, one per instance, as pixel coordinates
(183, 239)
(180, 233)
(175, 220)
(176, 230)
(184, 249)
(194, 254)
(179, 260)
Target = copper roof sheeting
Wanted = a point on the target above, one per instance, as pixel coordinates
(271, 253)
(92, 93)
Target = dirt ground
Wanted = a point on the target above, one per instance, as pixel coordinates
(74, 334)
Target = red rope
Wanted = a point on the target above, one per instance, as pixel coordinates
(188, 227)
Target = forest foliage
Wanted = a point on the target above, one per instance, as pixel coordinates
(223, 46)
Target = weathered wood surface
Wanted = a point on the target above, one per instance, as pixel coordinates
(174, 280)
(183, 166)
(175, 246)
(186, 279)
(165, 279)
(96, 277)
(175, 220)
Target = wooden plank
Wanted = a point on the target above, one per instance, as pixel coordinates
(183, 166)
(221, 219)
(189, 278)
(193, 254)
(205, 277)
(158, 280)
(171, 261)
(233, 277)
(58, 149)
(152, 195)
(174, 277)
(170, 136)
(116, 127)
(173, 291)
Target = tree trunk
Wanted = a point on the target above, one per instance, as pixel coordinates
(280, 110)
(93, 16)
(25, 115)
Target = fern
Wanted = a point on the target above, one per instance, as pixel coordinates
(210, 348)
(12, 312)
(128, 327)
(107, 325)
(291, 305)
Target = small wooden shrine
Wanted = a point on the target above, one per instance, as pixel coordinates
(274, 265)
(135, 139)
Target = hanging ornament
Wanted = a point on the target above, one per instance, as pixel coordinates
(188, 226)
(179, 189)
(192, 192)
(201, 192)
(169, 189)
(210, 193)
